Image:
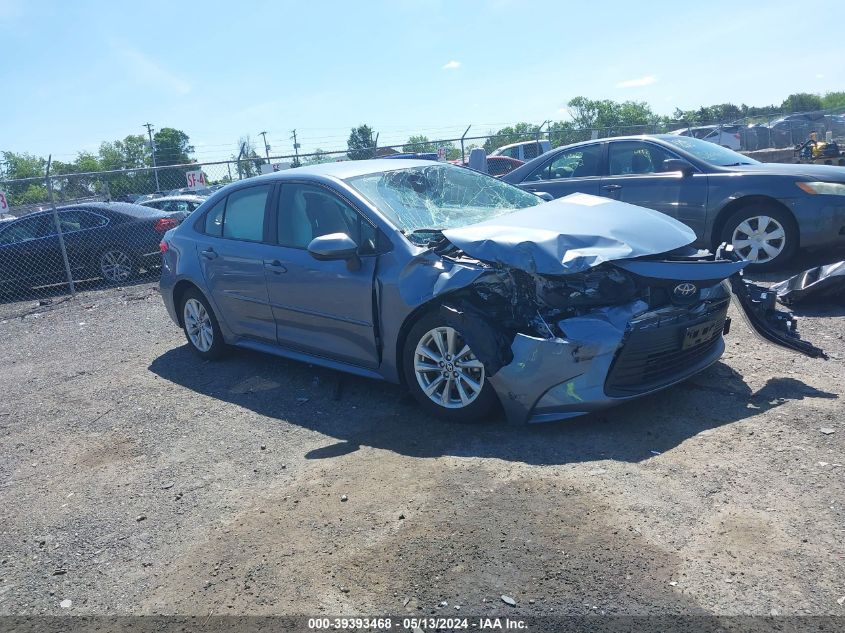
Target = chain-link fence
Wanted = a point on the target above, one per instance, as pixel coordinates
(62, 232)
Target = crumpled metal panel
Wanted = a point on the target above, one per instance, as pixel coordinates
(821, 284)
(570, 235)
(427, 276)
(578, 363)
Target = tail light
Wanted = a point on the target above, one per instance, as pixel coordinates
(163, 246)
(165, 224)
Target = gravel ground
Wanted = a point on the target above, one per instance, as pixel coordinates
(139, 480)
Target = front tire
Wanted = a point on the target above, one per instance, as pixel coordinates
(201, 327)
(765, 236)
(443, 374)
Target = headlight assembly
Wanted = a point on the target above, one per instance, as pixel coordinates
(823, 188)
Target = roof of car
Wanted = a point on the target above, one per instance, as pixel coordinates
(126, 208)
(528, 142)
(349, 168)
(179, 198)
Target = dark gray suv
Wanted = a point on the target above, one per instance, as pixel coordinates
(766, 210)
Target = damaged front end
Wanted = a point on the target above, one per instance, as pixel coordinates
(556, 346)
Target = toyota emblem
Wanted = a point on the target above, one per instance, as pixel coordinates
(685, 290)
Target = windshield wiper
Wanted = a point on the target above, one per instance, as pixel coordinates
(737, 164)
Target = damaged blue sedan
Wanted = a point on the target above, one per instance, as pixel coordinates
(472, 293)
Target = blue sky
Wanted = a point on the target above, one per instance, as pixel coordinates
(73, 74)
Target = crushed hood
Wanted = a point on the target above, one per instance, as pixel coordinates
(570, 235)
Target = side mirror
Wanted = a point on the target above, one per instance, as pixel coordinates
(333, 247)
(678, 164)
(545, 195)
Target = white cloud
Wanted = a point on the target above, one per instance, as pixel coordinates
(451, 65)
(146, 70)
(638, 83)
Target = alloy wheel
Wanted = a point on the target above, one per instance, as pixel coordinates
(447, 370)
(759, 239)
(116, 265)
(198, 325)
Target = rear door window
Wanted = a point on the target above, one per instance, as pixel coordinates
(244, 216)
(77, 220)
(213, 223)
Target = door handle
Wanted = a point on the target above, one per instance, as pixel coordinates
(275, 265)
(611, 187)
(208, 253)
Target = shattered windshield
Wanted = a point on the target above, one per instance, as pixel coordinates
(422, 200)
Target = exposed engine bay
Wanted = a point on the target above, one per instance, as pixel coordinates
(504, 301)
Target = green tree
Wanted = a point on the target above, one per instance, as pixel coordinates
(81, 180)
(361, 142)
(565, 132)
(611, 117)
(802, 102)
(173, 147)
(133, 152)
(133, 155)
(833, 100)
(19, 166)
(419, 143)
(317, 157)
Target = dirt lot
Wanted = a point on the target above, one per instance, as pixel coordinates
(138, 480)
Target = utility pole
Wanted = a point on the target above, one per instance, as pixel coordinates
(295, 149)
(266, 147)
(149, 127)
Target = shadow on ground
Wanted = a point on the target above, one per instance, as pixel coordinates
(360, 412)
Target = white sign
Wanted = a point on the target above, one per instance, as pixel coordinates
(4, 202)
(269, 169)
(196, 179)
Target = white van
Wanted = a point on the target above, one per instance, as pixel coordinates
(525, 151)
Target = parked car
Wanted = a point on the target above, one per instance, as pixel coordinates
(524, 151)
(468, 290)
(187, 191)
(724, 135)
(182, 206)
(414, 155)
(496, 165)
(149, 196)
(766, 210)
(108, 240)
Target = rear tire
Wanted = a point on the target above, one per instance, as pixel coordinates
(766, 236)
(443, 374)
(200, 326)
(116, 265)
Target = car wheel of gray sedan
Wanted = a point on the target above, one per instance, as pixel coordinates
(443, 373)
(117, 266)
(201, 327)
(765, 237)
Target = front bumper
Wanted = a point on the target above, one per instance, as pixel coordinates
(609, 357)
